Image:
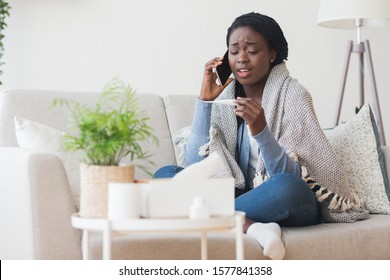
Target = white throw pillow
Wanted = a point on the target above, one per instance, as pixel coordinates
(30, 134)
(357, 146)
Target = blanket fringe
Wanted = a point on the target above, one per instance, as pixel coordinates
(337, 202)
(204, 150)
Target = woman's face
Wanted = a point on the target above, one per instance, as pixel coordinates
(250, 56)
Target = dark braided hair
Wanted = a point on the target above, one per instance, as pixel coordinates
(267, 27)
(271, 31)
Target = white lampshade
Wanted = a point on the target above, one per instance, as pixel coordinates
(343, 13)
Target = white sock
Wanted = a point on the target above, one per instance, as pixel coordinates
(269, 237)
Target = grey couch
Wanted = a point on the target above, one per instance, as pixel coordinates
(36, 204)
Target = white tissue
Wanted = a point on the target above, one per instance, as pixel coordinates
(203, 169)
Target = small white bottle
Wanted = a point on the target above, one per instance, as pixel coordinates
(198, 209)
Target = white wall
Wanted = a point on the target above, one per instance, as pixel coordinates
(161, 47)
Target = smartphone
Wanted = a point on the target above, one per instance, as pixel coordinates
(223, 70)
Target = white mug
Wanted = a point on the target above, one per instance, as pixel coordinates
(123, 201)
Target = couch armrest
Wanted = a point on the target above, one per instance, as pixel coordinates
(35, 207)
(386, 155)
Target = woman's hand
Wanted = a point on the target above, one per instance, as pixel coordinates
(252, 113)
(210, 89)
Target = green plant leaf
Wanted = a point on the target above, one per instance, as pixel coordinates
(111, 131)
(4, 13)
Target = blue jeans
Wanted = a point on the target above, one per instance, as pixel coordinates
(284, 199)
(168, 171)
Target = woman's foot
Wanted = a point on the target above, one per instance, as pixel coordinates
(269, 236)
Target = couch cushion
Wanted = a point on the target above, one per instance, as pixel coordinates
(363, 240)
(357, 146)
(163, 154)
(366, 239)
(181, 246)
(180, 110)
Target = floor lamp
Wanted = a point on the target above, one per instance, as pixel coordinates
(357, 14)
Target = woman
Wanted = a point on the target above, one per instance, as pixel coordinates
(269, 139)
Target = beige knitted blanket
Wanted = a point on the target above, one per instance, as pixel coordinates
(290, 115)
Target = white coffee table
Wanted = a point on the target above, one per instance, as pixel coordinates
(232, 224)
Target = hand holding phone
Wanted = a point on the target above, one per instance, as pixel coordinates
(215, 78)
(223, 70)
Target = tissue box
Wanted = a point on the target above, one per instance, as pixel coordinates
(170, 198)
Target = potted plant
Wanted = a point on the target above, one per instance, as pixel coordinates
(107, 134)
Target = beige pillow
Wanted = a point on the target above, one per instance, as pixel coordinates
(357, 146)
(30, 134)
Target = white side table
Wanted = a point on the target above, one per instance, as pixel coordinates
(232, 223)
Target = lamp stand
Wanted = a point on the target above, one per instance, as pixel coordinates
(362, 48)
